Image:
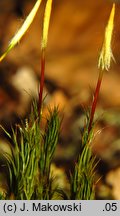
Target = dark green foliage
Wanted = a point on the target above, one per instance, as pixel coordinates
(23, 163)
(29, 163)
(30, 160)
(83, 178)
(50, 139)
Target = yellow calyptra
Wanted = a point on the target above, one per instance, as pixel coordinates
(46, 24)
(106, 52)
(23, 29)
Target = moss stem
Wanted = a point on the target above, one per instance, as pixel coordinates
(95, 100)
(42, 78)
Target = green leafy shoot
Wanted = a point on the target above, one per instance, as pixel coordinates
(48, 146)
(83, 177)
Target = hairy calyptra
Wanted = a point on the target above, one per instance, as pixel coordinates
(18, 36)
(106, 51)
(103, 62)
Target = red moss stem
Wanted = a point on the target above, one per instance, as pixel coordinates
(42, 78)
(95, 100)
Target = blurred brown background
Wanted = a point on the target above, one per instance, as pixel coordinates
(75, 39)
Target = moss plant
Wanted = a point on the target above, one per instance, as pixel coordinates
(32, 149)
(29, 165)
(83, 178)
